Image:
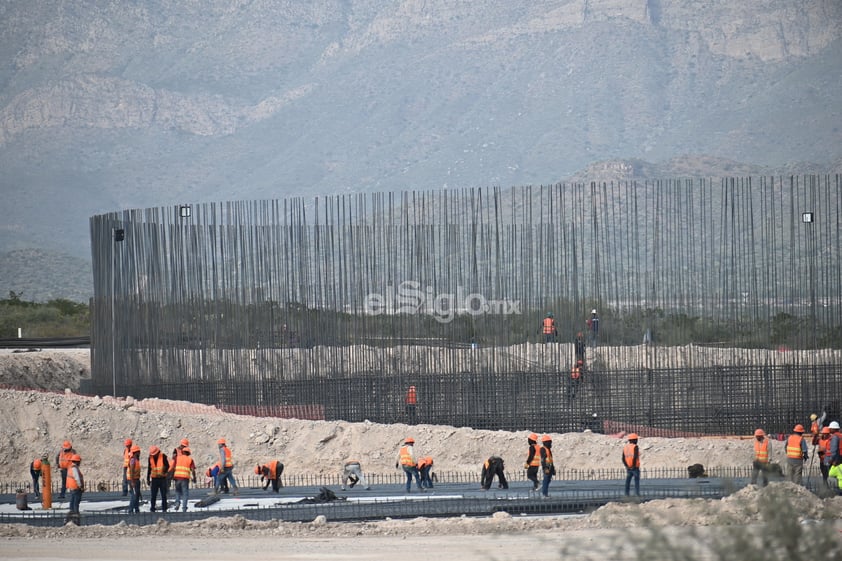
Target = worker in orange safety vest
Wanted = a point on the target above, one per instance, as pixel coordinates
(63, 461)
(127, 455)
(133, 475)
(411, 401)
(156, 477)
(796, 454)
(533, 460)
(226, 460)
(406, 461)
(762, 453)
(183, 470)
(271, 472)
(549, 329)
(631, 461)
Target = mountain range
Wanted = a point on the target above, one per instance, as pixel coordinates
(113, 105)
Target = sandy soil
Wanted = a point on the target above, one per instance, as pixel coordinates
(35, 422)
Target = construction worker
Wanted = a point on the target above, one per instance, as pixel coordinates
(425, 464)
(35, 473)
(493, 466)
(213, 473)
(352, 471)
(835, 442)
(762, 453)
(814, 429)
(76, 485)
(226, 473)
(156, 477)
(549, 329)
(796, 454)
(134, 479)
(181, 446)
(184, 470)
(411, 402)
(406, 461)
(825, 457)
(836, 472)
(127, 455)
(533, 460)
(579, 348)
(547, 464)
(64, 462)
(631, 461)
(270, 472)
(574, 381)
(593, 328)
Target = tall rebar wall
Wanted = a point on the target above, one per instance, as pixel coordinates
(719, 304)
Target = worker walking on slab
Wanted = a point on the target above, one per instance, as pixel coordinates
(492, 467)
(547, 464)
(533, 460)
(226, 473)
(271, 473)
(631, 461)
(184, 470)
(352, 471)
(157, 469)
(762, 453)
(796, 454)
(407, 462)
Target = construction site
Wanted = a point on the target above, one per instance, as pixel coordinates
(700, 310)
(717, 301)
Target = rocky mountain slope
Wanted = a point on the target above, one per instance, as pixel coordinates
(106, 106)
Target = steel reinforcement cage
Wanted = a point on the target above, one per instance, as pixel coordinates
(718, 305)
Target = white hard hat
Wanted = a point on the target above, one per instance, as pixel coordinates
(833, 425)
(593, 311)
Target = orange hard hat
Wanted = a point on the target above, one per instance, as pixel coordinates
(153, 450)
(36, 465)
(409, 440)
(546, 438)
(798, 428)
(632, 436)
(221, 441)
(257, 470)
(128, 442)
(185, 442)
(135, 448)
(825, 430)
(185, 450)
(759, 432)
(66, 445)
(76, 458)
(533, 436)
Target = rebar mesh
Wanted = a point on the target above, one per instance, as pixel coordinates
(719, 304)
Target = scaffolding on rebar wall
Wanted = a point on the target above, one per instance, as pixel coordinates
(337, 304)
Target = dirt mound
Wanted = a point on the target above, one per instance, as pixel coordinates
(45, 370)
